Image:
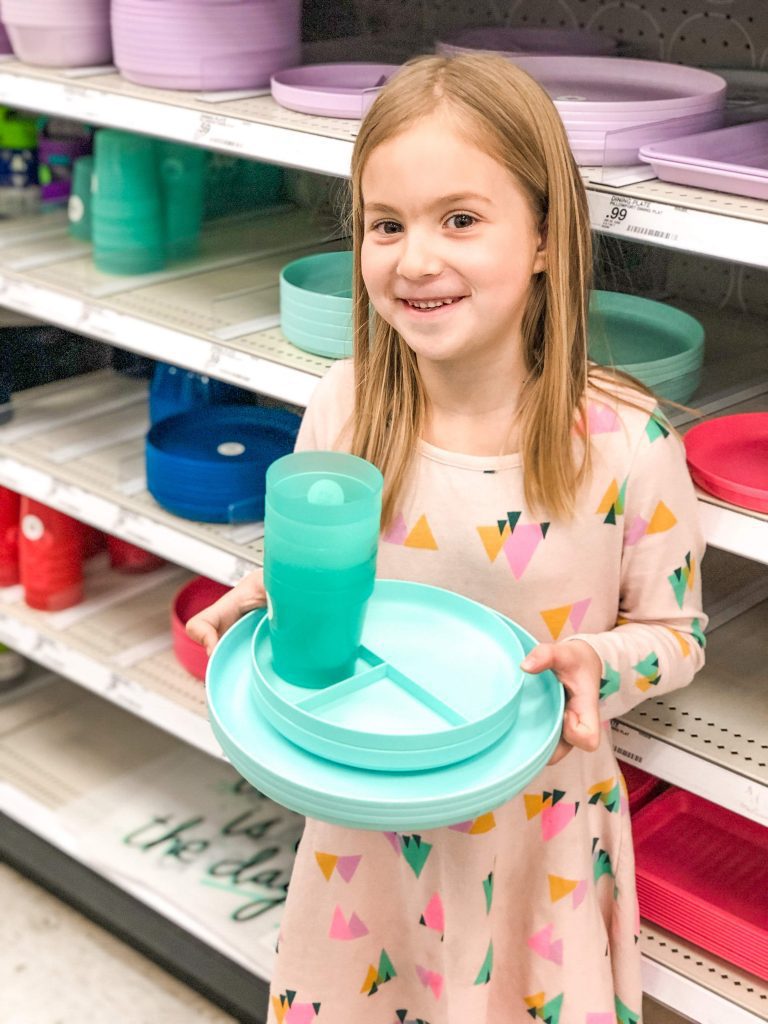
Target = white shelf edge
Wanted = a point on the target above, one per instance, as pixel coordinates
(734, 531)
(691, 999)
(704, 778)
(212, 128)
(108, 682)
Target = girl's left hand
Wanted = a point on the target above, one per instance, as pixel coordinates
(579, 669)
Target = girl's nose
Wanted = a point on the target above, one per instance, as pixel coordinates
(418, 257)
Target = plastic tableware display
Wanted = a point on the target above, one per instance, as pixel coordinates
(642, 787)
(10, 506)
(731, 159)
(728, 457)
(188, 601)
(174, 390)
(205, 44)
(406, 706)
(331, 90)
(507, 40)
(51, 554)
(59, 33)
(321, 533)
(129, 558)
(210, 464)
(702, 872)
(660, 345)
(182, 174)
(80, 206)
(316, 303)
(362, 798)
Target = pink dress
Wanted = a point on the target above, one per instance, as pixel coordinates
(529, 911)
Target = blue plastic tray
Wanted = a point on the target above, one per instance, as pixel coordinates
(359, 798)
(210, 464)
(409, 705)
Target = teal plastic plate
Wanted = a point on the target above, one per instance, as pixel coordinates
(356, 797)
(408, 706)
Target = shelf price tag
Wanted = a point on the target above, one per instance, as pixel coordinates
(635, 218)
(630, 744)
(125, 692)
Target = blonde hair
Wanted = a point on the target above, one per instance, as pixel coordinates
(508, 115)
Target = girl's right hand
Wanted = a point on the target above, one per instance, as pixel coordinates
(209, 625)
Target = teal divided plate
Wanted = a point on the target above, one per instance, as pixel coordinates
(357, 797)
(408, 706)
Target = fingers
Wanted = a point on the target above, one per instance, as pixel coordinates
(578, 669)
(203, 631)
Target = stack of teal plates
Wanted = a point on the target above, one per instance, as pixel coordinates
(660, 345)
(437, 726)
(316, 304)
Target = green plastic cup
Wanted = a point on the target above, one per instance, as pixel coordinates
(182, 172)
(321, 533)
(79, 206)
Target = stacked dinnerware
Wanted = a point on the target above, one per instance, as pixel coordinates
(210, 464)
(316, 304)
(507, 41)
(205, 44)
(331, 90)
(660, 345)
(611, 106)
(59, 33)
(728, 457)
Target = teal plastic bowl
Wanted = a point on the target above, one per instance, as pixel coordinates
(312, 318)
(652, 341)
(323, 281)
(317, 344)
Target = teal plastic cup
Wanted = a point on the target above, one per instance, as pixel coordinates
(182, 173)
(321, 533)
(79, 207)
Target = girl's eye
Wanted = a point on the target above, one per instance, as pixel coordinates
(462, 220)
(387, 227)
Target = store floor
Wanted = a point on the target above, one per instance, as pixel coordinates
(58, 967)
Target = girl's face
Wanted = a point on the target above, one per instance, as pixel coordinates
(450, 244)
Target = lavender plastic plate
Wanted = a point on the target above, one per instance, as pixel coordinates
(734, 182)
(331, 90)
(504, 40)
(741, 149)
(610, 84)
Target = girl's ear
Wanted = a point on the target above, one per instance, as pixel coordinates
(540, 261)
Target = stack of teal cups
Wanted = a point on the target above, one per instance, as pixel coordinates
(147, 202)
(316, 304)
(321, 533)
(79, 206)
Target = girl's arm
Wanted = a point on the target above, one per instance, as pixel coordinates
(658, 642)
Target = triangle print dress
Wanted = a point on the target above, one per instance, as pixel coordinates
(528, 912)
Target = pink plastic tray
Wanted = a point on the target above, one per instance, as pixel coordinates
(728, 457)
(331, 90)
(702, 873)
(641, 786)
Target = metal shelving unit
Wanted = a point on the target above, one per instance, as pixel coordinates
(188, 316)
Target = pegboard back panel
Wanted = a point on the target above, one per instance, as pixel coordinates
(708, 33)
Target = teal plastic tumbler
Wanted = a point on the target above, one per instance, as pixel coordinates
(321, 534)
(79, 205)
(182, 172)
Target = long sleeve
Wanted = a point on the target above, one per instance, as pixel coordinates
(325, 422)
(658, 642)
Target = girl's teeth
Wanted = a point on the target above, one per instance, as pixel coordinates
(431, 305)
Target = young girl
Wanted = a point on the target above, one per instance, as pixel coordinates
(520, 475)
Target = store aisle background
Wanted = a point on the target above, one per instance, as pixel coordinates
(58, 967)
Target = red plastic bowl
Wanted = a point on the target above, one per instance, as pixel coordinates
(191, 599)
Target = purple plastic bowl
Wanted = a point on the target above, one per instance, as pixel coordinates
(62, 46)
(214, 46)
(331, 90)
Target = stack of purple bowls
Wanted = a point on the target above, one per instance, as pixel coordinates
(205, 44)
(59, 33)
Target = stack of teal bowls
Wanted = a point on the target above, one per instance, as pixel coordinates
(659, 345)
(316, 304)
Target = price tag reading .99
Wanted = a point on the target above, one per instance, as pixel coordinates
(618, 213)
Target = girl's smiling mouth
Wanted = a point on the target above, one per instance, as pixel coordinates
(431, 306)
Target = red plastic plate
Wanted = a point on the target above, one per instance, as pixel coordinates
(702, 873)
(728, 457)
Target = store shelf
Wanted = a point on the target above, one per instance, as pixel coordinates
(703, 988)
(78, 446)
(52, 792)
(216, 314)
(251, 124)
(117, 643)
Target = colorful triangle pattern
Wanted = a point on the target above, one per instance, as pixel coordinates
(541, 942)
(559, 888)
(517, 540)
(344, 866)
(555, 812)
(601, 862)
(485, 972)
(288, 1011)
(420, 536)
(572, 614)
(682, 578)
(624, 1015)
(430, 979)
(610, 682)
(477, 826)
(656, 426)
(376, 977)
(488, 890)
(344, 929)
(434, 915)
(612, 503)
(648, 674)
(662, 520)
(401, 1017)
(546, 1010)
(415, 852)
(608, 793)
